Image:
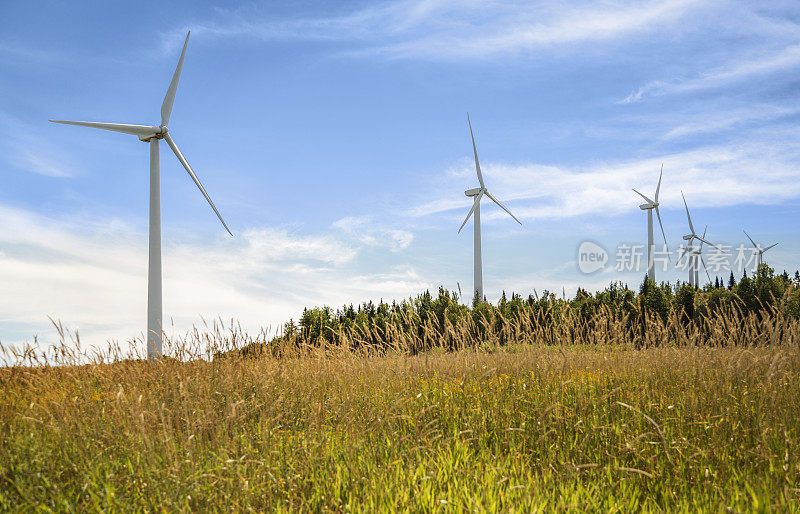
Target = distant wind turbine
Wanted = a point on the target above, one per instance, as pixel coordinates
(153, 134)
(698, 254)
(759, 249)
(478, 193)
(695, 256)
(651, 247)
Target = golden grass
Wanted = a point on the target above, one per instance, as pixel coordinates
(520, 427)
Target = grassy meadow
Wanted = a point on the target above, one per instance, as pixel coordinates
(520, 428)
(545, 409)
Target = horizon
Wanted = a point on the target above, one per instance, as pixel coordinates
(334, 142)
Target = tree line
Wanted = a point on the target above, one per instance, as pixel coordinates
(617, 313)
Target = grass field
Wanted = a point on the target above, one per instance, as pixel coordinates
(518, 428)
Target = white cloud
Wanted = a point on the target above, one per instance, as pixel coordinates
(269, 244)
(365, 231)
(26, 150)
(28, 53)
(788, 58)
(742, 172)
(452, 29)
(515, 28)
(92, 276)
(717, 120)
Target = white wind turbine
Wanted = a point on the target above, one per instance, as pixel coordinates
(651, 247)
(759, 249)
(153, 134)
(478, 193)
(696, 254)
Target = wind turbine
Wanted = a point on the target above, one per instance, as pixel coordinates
(695, 253)
(759, 249)
(478, 193)
(651, 247)
(152, 134)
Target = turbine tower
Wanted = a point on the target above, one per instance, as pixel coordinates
(651, 247)
(478, 193)
(152, 135)
(759, 249)
(695, 254)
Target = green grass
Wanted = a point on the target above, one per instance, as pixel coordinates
(521, 429)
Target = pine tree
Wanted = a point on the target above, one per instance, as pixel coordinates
(731, 282)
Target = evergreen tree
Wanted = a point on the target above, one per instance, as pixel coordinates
(746, 293)
(793, 305)
(684, 300)
(731, 282)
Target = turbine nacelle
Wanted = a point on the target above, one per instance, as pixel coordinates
(646, 206)
(473, 192)
(158, 133)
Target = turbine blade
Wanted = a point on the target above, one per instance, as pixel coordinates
(706, 268)
(475, 151)
(658, 187)
(687, 213)
(474, 205)
(643, 196)
(750, 238)
(136, 130)
(700, 248)
(767, 248)
(166, 106)
(495, 200)
(684, 252)
(181, 158)
(658, 215)
(708, 243)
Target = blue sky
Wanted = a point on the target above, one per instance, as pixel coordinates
(333, 139)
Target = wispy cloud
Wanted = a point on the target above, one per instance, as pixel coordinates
(26, 53)
(787, 59)
(531, 27)
(92, 275)
(740, 173)
(23, 148)
(367, 232)
(717, 120)
(447, 29)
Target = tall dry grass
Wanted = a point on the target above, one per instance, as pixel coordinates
(547, 323)
(570, 417)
